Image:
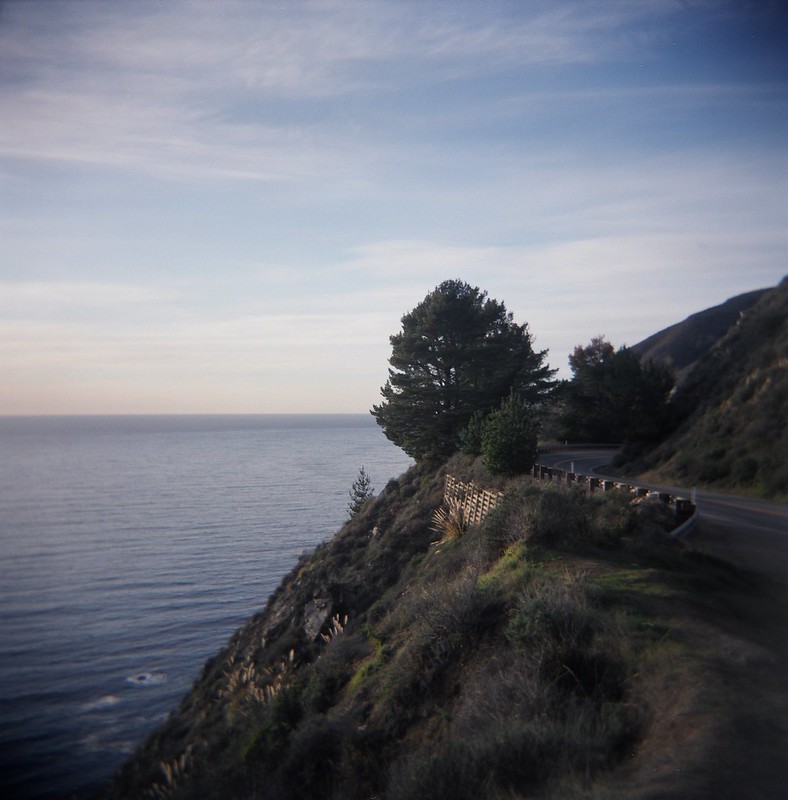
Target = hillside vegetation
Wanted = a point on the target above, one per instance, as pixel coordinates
(680, 346)
(734, 403)
(556, 651)
(567, 647)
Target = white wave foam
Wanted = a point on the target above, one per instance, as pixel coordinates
(147, 679)
(107, 701)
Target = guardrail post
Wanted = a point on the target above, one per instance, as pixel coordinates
(684, 509)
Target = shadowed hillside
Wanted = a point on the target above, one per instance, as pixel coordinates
(556, 651)
(681, 345)
(734, 401)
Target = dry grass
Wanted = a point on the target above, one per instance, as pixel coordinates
(176, 773)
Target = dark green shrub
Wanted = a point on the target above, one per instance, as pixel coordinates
(330, 673)
(613, 518)
(713, 468)
(444, 621)
(280, 717)
(552, 613)
(471, 435)
(560, 517)
(745, 471)
(511, 519)
(469, 768)
(310, 767)
(508, 438)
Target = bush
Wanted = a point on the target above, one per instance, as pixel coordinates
(509, 437)
(312, 762)
(468, 768)
(510, 520)
(471, 436)
(525, 721)
(333, 669)
(613, 518)
(264, 748)
(552, 612)
(443, 621)
(560, 517)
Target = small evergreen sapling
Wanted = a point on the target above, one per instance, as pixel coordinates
(509, 437)
(361, 491)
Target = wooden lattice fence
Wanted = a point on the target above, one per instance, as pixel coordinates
(476, 503)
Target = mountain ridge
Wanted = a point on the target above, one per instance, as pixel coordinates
(679, 346)
(732, 401)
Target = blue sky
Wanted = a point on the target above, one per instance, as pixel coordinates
(228, 207)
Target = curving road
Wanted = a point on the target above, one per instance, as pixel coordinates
(747, 531)
(745, 642)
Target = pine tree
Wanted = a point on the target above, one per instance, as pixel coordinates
(509, 437)
(612, 397)
(459, 353)
(361, 491)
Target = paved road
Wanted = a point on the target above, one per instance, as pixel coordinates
(751, 532)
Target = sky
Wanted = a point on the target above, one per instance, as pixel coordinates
(227, 207)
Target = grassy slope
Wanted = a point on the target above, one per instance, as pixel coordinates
(735, 436)
(565, 649)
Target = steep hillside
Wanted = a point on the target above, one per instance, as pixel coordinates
(681, 345)
(559, 650)
(734, 401)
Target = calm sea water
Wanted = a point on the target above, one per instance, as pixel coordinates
(130, 550)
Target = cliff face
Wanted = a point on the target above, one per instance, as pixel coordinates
(521, 658)
(242, 710)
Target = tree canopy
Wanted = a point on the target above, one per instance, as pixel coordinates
(613, 397)
(459, 353)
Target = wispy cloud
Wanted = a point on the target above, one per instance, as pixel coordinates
(59, 299)
(228, 206)
(169, 88)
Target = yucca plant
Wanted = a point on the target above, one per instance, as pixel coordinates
(449, 520)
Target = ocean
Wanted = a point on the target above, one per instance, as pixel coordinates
(131, 548)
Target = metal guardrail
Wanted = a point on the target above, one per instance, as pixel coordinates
(686, 511)
(477, 502)
(686, 526)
